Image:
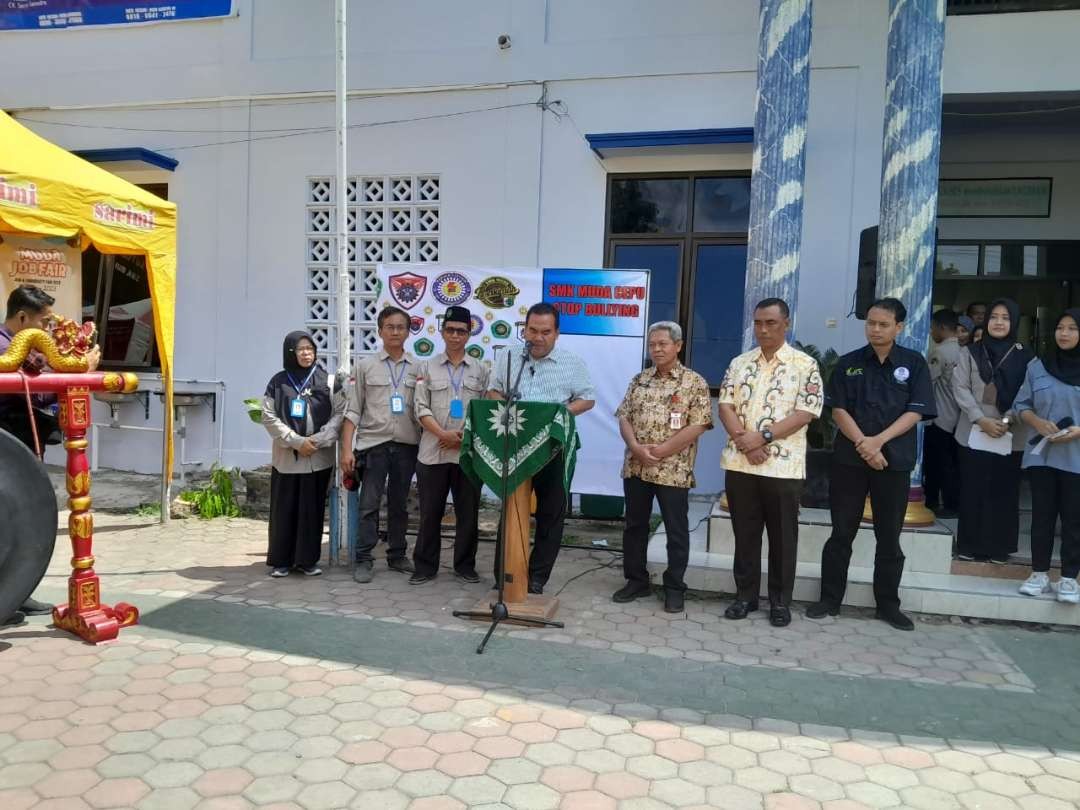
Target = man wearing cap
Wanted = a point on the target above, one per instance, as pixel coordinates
(445, 385)
(380, 425)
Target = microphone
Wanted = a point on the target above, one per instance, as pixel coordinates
(527, 348)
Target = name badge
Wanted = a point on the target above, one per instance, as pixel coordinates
(901, 374)
(397, 404)
(457, 409)
(297, 408)
(676, 420)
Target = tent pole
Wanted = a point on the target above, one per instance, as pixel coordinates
(344, 324)
(166, 497)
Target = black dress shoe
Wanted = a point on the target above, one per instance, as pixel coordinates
(470, 577)
(819, 610)
(740, 609)
(894, 617)
(673, 602)
(15, 619)
(403, 565)
(536, 586)
(779, 615)
(631, 591)
(421, 579)
(32, 607)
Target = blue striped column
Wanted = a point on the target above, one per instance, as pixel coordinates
(909, 168)
(776, 188)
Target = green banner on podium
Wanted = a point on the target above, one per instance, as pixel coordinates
(539, 432)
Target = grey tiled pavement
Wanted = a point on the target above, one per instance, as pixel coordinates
(242, 691)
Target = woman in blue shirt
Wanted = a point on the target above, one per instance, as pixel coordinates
(1049, 401)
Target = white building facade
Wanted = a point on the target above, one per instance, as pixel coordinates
(465, 152)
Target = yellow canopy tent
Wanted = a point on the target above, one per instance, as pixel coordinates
(47, 191)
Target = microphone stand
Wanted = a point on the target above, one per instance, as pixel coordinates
(499, 611)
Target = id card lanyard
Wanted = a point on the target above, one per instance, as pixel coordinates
(397, 401)
(298, 404)
(457, 407)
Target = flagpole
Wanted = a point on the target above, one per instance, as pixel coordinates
(344, 325)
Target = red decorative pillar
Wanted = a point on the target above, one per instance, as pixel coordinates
(84, 614)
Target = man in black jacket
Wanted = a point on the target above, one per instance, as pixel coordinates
(878, 394)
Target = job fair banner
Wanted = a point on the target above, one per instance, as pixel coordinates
(37, 15)
(603, 318)
(51, 264)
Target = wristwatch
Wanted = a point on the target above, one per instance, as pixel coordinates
(766, 434)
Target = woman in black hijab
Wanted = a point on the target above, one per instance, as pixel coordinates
(1049, 402)
(299, 414)
(986, 382)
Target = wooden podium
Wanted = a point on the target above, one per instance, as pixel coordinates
(515, 562)
(534, 434)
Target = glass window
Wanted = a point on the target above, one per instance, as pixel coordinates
(116, 295)
(716, 323)
(651, 205)
(664, 263)
(721, 204)
(957, 260)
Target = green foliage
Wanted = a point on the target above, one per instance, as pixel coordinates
(253, 406)
(822, 431)
(216, 498)
(148, 510)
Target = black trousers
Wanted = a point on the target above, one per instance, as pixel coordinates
(989, 504)
(848, 488)
(388, 468)
(674, 509)
(550, 514)
(1055, 493)
(758, 503)
(297, 513)
(435, 483)
(941, 480)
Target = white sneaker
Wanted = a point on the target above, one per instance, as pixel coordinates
(1038, 583)
(1068, 590)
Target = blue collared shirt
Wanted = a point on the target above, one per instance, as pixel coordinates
(1051, 399)
(560, 376)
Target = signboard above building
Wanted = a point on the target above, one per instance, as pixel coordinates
(1009, 197)
(46, 15)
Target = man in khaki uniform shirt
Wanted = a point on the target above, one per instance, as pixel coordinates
(445, 385)
(380, 425)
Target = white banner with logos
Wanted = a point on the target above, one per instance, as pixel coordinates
(498, 299)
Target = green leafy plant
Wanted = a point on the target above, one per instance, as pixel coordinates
(253, 406)
(216, 498)
(822, 431)
(148, 510)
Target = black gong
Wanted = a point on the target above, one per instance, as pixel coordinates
(27, 523)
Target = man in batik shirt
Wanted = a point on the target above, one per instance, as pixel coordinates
(768, 397)
(665, 410)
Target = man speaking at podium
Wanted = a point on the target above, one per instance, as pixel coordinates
(550, 374)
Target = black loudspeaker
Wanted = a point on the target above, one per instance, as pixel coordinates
(866, 282)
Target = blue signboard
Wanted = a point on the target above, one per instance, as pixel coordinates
(38, 15)
(598, 302)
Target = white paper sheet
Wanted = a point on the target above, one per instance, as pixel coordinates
(978, 440)
(1041, 446)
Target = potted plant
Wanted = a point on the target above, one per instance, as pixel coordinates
(820, 434)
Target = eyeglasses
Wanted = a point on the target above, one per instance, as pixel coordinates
(394, 327)
(455, 330)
